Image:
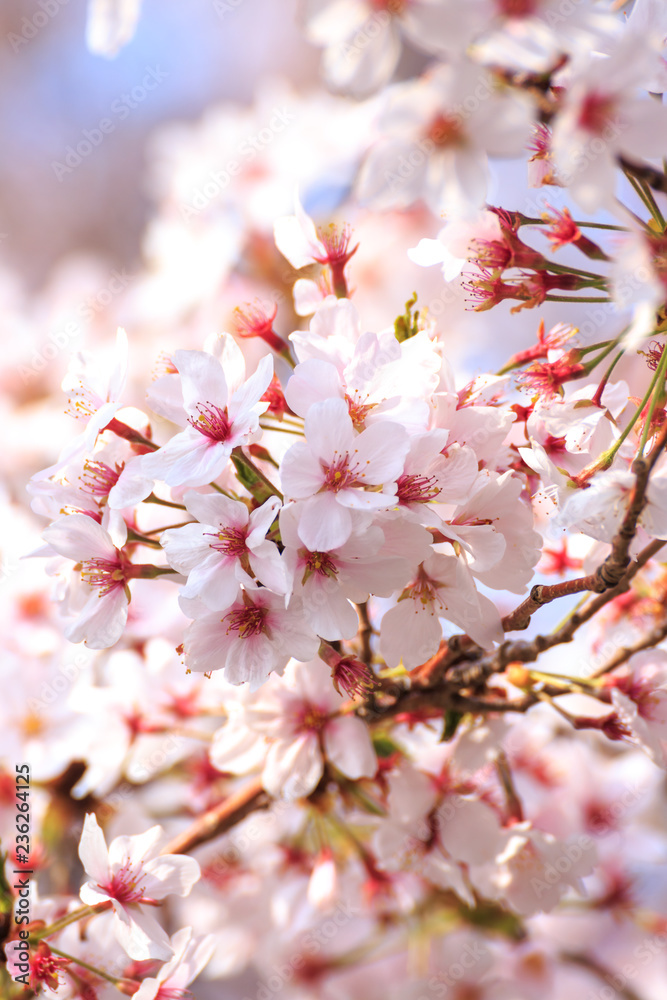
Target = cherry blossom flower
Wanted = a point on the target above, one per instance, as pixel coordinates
(602, 117)
(191, 955)
(298, 714)
(442, 590)
(227, 547)
(299, 241)
(432, 149)
(536, 869)
(599, 509)
(363, 37)
(257, 635)
(337, 472)
(410, 838)
(639, 695)
(101, 602)
(219, 421)
(326, 582)
(379, 378)
(494, 529)
(94, 388)
(133, 876)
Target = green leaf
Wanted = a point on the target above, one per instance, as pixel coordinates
(452, 720)
(384, 746)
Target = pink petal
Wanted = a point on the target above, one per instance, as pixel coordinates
(324, 523)
(79, 537)
(329, 430)
(93, 850)
(347, 744)
(202, 379)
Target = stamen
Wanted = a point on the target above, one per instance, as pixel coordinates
(339, 475)
(124, 885)
(320, 563)
(246, 621)
(229, 541)
(98, 478)
(212, 422)
(105, 574)
(416, 489)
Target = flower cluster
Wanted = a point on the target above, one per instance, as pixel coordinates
(373, 624)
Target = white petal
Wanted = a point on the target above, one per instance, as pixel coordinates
(172, 875)
(202, 379)
(301, 473)
(102, 620)
(79, 537)
(293, 767)
(93, 850)
(111, 24)
(216, 509)
(324, 523)
(329, 430)
(347, 744)
(189, 459)
(140, 934)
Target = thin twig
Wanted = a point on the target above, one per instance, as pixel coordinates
(221, 818)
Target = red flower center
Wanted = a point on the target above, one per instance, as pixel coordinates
(229, 541)
(212, 422)
(416, 489)
(339, 475)
(596, 110)
(98, 478)
(124, 885)
(517, 8)
(104, 574)
(246, 621)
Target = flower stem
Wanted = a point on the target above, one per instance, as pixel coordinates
(658, 382)
(566, 269)
(163, 503)
(527, 221)
(597, 398)
(608, 456)
(134, 536)
(242, 462)
(574, 298)
(70, 918)
(594, 362)
(90, 968)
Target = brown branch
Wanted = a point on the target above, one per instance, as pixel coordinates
(650, 640)
(609, 579)
(221, 818)
(475, 674)
(609, 573)
(364, 633)
(602, 972)
(655, 179)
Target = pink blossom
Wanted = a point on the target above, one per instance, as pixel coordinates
(133, 876)
(255, 636)
(227, 547)
(100, 603)
(428, 149)
(219, 421)
(442, 590)
(191, 955)
(337, 471)
(299, 716)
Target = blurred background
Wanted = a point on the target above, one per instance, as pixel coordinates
(52, 89)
